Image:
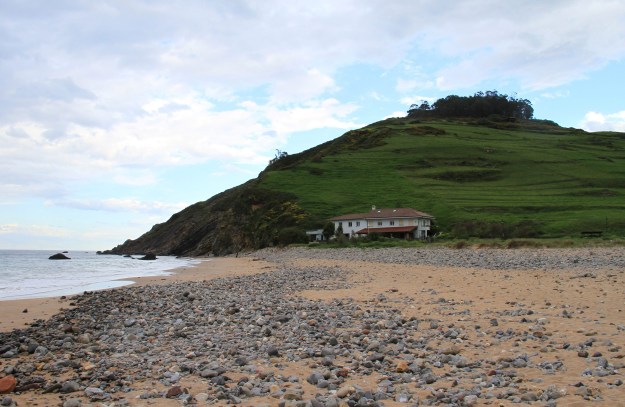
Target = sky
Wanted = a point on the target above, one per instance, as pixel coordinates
(114, 115)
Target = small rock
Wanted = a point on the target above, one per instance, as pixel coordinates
(95, 393)
(292, 394)
(529, 396)
(402, 366)
(453, 350)
(70, 387)
(201, 397)
(470, 400)
(173, 392)
(345, 391)
(552, 393)
(72, 403)
(83, 338)
(7, 384)
(314, 378)
(402, 398)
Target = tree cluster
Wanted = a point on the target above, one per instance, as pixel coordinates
(481, 104)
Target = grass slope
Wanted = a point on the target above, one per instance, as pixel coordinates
(565, 180)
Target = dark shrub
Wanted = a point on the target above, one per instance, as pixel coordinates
(291, 235)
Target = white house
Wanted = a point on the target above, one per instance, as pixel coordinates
(404, 223)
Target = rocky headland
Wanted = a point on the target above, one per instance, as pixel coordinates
(340, 327)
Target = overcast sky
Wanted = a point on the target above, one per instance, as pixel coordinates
(116, 114)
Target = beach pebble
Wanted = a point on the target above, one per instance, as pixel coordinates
(7, 384)
(239, 335)
(173, 392)
(73, 402)
(7, 402)
(95, 393)
(70, 387)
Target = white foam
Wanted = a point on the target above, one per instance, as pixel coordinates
(29, 274)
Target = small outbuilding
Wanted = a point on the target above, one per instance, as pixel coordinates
(315, 235)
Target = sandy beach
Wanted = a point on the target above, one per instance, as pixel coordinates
(390, 328)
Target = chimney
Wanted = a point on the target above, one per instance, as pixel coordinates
(373, 207)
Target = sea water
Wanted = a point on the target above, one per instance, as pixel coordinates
(30, 274)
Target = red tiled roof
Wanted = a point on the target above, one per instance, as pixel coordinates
(395, 229)
(384, 213)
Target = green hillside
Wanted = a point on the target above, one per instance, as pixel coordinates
(482, 177)
(561, 181)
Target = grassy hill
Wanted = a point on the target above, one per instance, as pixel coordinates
(477, 177)
(564, 181)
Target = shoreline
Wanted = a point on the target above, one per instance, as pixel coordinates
(468, 327)
(14, 317)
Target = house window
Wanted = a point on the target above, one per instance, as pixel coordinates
(357, 223)
(341, 224)
(349, 224)
(379, 223)
(392, 222)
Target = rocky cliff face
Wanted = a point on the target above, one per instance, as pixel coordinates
(244, 217)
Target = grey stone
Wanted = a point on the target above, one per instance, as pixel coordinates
(73, 402)
(70, 387)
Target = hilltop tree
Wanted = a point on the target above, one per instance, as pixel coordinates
(481, 104)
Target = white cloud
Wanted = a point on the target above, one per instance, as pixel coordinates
(395, 114)
(8, 228)
(301, 86)
(417, 99)
(540, 44)
(405, 85)
(120, 205)
(34, 230)
(183, 132)
(595, 121)
(313, 115)
(378, 97)
(555, 95)
(134, 177)
(118, 89)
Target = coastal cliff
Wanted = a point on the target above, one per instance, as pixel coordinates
(240, 218)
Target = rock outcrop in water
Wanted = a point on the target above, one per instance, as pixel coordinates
(149, 256)
(59, 256)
